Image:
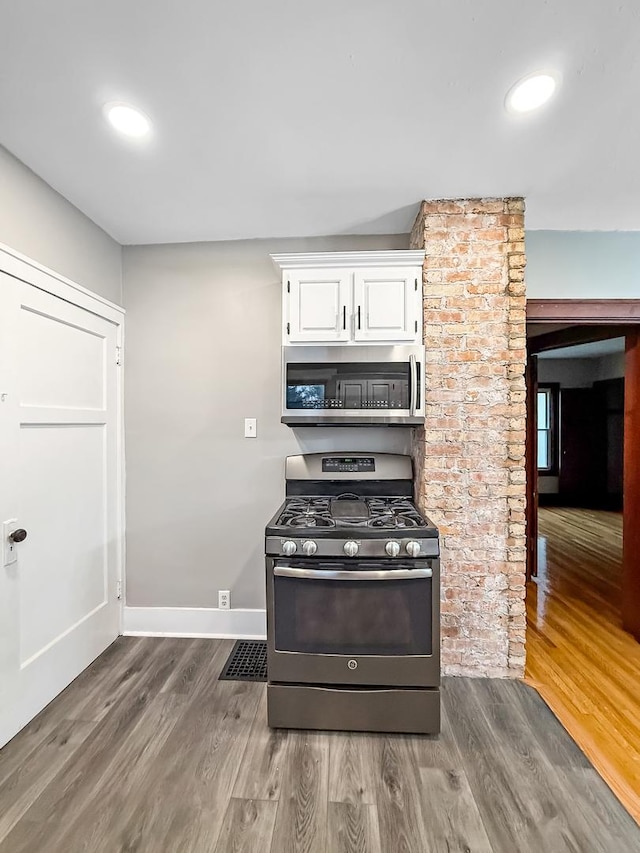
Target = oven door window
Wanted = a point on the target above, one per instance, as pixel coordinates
(337, 617)
(375, 385)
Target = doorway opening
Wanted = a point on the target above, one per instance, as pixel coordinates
(583, 572)
(580, 439)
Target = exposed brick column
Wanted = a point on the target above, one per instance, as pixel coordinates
(470, 456)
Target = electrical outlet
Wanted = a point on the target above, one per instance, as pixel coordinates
(250, 427)
(224, 599)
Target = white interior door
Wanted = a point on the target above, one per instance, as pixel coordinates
(59, 481)
(387, 305)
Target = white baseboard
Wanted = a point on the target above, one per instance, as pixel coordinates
(235, 624)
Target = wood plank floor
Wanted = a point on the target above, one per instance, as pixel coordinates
(578, 657)
(148, 752)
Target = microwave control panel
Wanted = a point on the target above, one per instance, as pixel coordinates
(348, 464)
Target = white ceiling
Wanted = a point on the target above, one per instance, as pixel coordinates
(298, 118)
(593, 350)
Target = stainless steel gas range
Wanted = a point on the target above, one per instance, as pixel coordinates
(353, 598)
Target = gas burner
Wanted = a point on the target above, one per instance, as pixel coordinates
(305, 512)
(390, 504)
(308, 505)
(393, 521)
(310, 520)
(409, 520)
(394, 513)
(382, 521)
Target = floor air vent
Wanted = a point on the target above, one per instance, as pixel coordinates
(247, 662)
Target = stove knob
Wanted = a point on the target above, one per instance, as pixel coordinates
(350, 548)
(413, 548)
(309, 548)
(392, 549)
(289, 548)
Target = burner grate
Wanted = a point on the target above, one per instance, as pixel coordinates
(348, 510)
(247, 662)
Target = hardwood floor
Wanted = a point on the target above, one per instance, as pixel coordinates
(578, 657)
(148, 752)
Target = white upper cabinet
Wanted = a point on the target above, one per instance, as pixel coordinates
(352, 297)
(319, 306)
(386, 304)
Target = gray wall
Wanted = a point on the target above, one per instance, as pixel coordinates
(583, 264)
(38, 222)
(581, 372)
(609, 367)
(568, 372)
(202, 353)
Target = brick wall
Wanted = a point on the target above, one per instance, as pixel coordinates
(470, 456)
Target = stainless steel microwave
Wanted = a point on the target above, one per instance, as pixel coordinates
(353, 386)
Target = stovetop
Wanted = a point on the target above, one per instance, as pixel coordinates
(349, 511)
(347, 516)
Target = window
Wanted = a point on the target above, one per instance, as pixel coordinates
(548, 396)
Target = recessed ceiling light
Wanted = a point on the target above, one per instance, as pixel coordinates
(127, 120)
(531, 92)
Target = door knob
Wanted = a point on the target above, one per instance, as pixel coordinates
(18, 535)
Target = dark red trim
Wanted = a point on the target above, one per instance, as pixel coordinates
(531, 463)
(583, 311)
(631, 512)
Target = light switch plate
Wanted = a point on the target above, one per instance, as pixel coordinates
(9, 548)
(250, 427)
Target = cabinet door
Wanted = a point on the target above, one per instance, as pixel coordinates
(319, 306)
(387, 304)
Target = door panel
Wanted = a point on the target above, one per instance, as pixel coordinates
(386, 305)
(51, 350)
(580, 450)
(319, 305)
(66, 463)
(59, 430)
(609, 413)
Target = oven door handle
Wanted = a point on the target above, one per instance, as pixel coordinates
(321, 574)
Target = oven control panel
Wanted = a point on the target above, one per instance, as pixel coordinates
(348, 464)
(278, 546)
